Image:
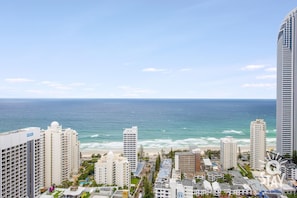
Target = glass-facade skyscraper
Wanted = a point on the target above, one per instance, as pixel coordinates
(286, 111)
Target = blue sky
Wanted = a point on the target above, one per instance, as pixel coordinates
(140, 49)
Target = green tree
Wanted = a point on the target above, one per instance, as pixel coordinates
(182, 176)
(96, 155)
(208, 153)
(148, 190)
(287, 156)
(66, 184)
(294, 157)
(198, 180)
(158, 163)
(239, 153)
(220, 180)
(228, 178)
(141, 153)
(223, 194)
(291, 195)
(171, 155)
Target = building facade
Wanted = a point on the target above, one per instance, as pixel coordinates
(258, 144)
(21, 163)
(187, 162)
(228, 153)
(286, 111)
(112, 170)
(62, 156)
(130, 136)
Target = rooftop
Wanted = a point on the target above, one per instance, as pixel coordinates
(165, 171)
(207, 162)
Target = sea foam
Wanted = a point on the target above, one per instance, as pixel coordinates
(169, 143)
(232, 132)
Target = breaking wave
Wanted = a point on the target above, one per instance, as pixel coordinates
(169, 143)
(232, 132)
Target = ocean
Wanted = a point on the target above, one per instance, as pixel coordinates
(162, 123)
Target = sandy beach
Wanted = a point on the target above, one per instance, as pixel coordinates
(150, 152)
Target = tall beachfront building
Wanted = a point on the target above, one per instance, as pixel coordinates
(286, 111)
(130, 146)
(21, 163)
(258, 144)
(228, 153)
(62, 156)
(113, 170)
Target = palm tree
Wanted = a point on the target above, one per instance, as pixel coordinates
(223, 194)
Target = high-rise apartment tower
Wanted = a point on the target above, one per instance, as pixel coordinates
(62, 157)
(258, 144)
(130, 146)
(286, 111)
(21, 163)
(228, 153)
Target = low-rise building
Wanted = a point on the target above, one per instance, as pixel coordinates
(162, 190)
(256, 186)
(213, 176)
(290, 170)
(240, 190)
(216, 189)
(188, 188)
(207, 165)
(202, 188)
(237, 178)
(225, 187)
(74, 192)
(162, 185)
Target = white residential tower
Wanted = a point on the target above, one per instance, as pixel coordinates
(228, 153)
(21, 163)
(62, 156)
(130, 146)
(113, 170)
(258, 144)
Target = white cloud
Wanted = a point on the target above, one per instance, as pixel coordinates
(185, 69)
(56, 85)
(6, 88)
(252, 67)
(89, 89)
(34, 91)
(260, 85)
(271, 69)
(18, 80)
(47, 82)
(135, 92)
(77, 84)
(266, 77)
(152, 69)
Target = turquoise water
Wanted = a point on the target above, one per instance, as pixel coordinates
(161, 122)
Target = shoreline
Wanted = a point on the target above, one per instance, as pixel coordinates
(168, 143)
(150, 152)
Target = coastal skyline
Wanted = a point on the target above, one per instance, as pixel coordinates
(131, 49)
